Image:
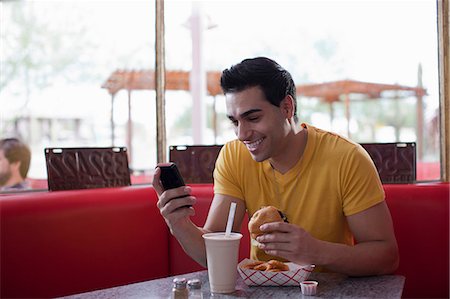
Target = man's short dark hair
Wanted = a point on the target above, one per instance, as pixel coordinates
(17, 151)
(275, 82)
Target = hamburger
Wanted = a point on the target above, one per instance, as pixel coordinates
(264, 215)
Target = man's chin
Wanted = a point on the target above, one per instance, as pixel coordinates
(258, 158)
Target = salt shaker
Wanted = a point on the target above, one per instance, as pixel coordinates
(195, 289)
(179, 289)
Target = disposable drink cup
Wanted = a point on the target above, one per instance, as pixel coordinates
(222, 259)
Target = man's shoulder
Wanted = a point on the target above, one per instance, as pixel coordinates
(333, 144)
(235, 147)
(332, 136)
(235, 143)
(236, 152)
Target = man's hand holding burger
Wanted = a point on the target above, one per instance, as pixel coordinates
(279, 238)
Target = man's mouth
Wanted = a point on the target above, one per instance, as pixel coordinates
(254, 144)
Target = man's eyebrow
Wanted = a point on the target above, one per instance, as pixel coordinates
(245, 114)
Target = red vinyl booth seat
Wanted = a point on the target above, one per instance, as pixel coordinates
(66, 242)
(420, 214)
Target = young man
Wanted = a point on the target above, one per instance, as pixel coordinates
(15, 159)
(326, 184)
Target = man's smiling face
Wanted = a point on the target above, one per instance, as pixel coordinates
(260, 125)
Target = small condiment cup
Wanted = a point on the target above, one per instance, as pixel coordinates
(309, 287)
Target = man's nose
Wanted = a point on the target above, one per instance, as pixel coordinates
(243, 132)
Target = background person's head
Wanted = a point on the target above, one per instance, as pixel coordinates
(275, 82)
(15, 158)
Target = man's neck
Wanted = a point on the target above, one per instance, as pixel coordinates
(14, 180)
(293, 152)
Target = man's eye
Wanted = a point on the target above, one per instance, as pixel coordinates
(253, 118)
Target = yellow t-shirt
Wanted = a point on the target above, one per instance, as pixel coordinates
(335, 178)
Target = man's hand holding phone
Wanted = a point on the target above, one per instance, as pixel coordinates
(170, 176)
(175, 200)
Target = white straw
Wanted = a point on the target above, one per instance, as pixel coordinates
(230, 219)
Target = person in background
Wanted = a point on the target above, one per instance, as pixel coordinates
(326, 184)
(15, 157)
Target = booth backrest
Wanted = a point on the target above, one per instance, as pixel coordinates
(420, 213)
(66, 242)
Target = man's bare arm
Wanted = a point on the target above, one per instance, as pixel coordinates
(218, 213)
(190, 236)
(376, 251)
(173, 207)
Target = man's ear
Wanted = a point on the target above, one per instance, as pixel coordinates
(287, 106)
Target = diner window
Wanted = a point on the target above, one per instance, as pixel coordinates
(384, 55)
(61, 61)
(55, 57)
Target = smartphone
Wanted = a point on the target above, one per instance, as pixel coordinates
(170, 176)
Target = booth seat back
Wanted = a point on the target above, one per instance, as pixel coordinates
(67, 242)
(420, 213)
(60, 243)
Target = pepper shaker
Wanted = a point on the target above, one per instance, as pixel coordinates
(195, 289)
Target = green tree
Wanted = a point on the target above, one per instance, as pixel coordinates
(35, 50)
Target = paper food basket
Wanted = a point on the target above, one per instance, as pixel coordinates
(293, 277)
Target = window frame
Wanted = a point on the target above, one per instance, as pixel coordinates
(444, 86)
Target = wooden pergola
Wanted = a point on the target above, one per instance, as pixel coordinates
(336, 91)
(145, 79)
(329, 92)
(130, 80)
